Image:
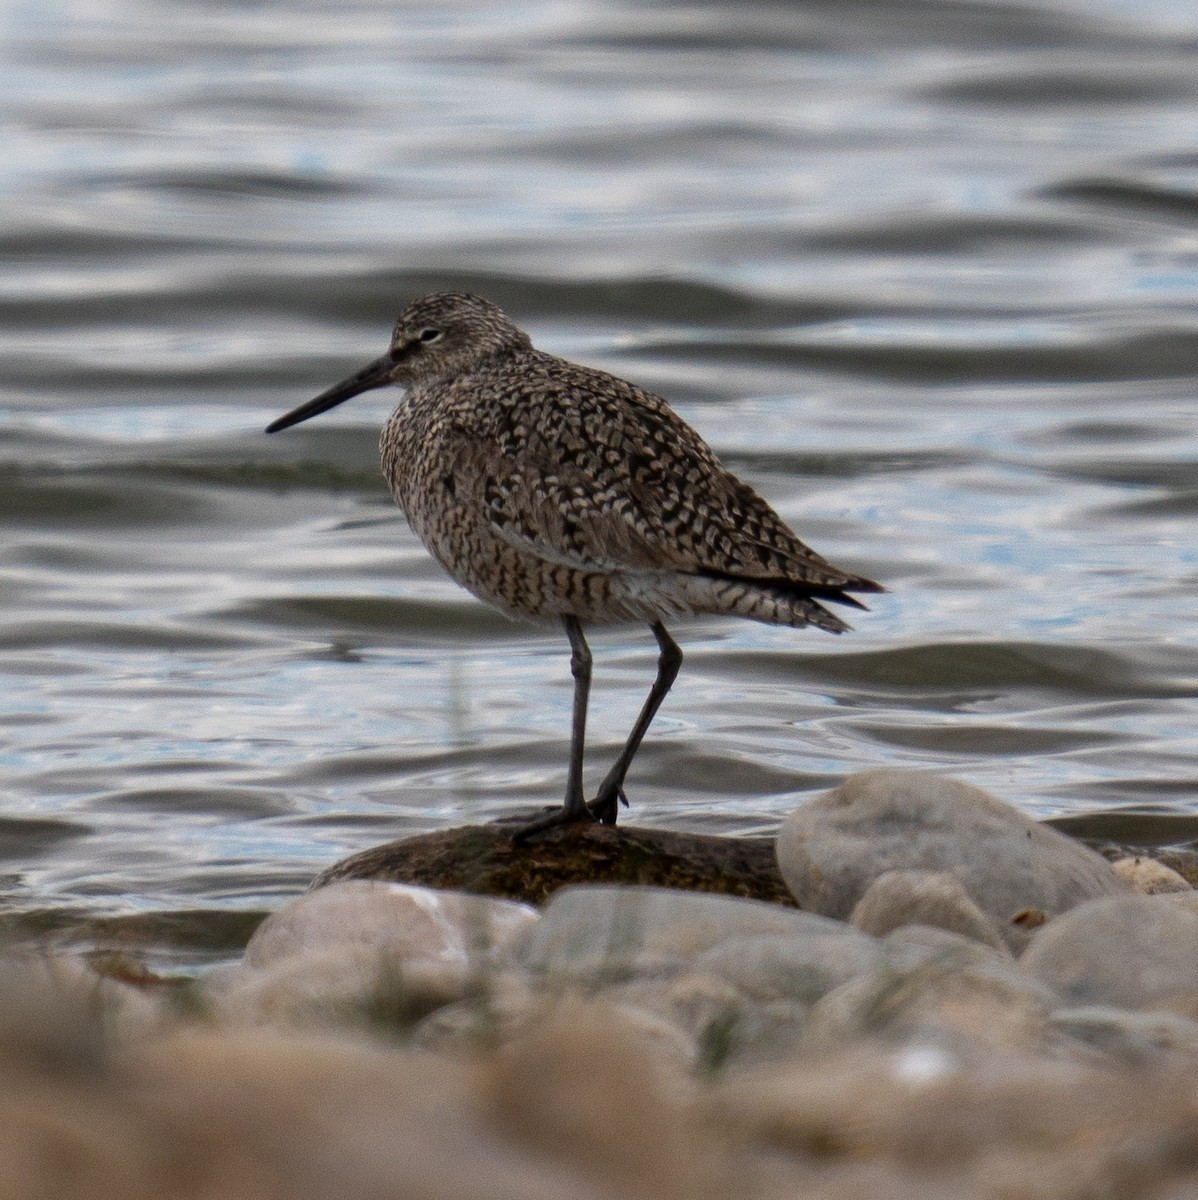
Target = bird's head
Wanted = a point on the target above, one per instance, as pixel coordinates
(438, 337)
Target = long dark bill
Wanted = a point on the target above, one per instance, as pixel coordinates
(376, 374)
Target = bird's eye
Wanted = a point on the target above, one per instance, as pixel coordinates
(428, 336)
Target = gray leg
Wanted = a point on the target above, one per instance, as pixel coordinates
(611, 790)
(575, 806)
(580, 667)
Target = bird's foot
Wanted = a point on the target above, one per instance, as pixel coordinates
(606, 805)
(603, 809)
(554, 820)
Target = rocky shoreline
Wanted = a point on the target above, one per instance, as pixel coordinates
(927, 995)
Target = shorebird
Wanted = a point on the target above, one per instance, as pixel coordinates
(556, 491)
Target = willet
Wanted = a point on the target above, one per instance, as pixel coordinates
(556, 491)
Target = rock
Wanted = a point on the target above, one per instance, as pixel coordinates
(1182, 1004)
(406, 924)
(933, 898)
(615, 933)
(206, 1111)
(54, 1012)
(831, 849)
(378, 954)
(776, 979)
(720, 1026)
(707, 967)
(946, 1126)
(511, 1010)
(258, 1115)
(1182, 859)
(1127, 951)
(912, 946)
(482, 1018)
(1138, 1038)
(701, 1008)
(940, 1000)
(930, 1081)
(483, 859)
(339, 988)
(803, 964)
(1148, 876)
(731, 993)
(585, 1085)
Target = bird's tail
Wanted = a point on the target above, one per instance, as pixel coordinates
(776, 606)
(781, 602)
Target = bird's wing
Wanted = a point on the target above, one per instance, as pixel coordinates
(598, 474)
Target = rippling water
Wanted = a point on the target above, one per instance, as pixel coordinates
(924, 272)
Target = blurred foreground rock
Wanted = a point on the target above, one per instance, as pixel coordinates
(648, 1043)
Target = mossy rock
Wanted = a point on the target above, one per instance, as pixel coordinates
(484, 859)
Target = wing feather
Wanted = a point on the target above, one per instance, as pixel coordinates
(591, 472)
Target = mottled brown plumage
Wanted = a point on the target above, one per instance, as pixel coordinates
(553, 490)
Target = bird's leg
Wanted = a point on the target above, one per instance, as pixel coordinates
(611, 790)
(575, 806)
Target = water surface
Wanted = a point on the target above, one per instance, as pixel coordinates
(925, 273)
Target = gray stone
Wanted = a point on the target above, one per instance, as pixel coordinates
(831, 849)
(952, 1122)
(1127, 951)
(1138, 1038)
(737, 996)
(336, 988)
(942, 999)
(370, 953)
(1183, 900)
(932, 898)
(707, 1011)
(801, 966)
(912, 946)
(404, 923)
(742, 1000)
(613, 932)
(511, 1009)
